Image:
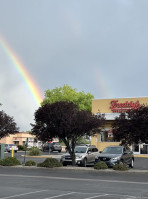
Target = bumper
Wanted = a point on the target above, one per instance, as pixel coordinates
(69, 162)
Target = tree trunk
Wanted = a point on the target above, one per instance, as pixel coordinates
(71, 150)
(73, 154)
(73, 159)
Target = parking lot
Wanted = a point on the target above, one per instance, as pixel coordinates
(40, 183)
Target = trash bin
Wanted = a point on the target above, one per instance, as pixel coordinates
(2, 149)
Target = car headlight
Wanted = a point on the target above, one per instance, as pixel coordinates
(116, 158)
(79, 156)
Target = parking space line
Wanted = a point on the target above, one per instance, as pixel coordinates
(60, 195)
(23, 194)
(97, 196)
(76, 179)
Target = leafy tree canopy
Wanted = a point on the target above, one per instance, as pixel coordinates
(66, 93)
(132, 127)
(65, 121)
(7, 125)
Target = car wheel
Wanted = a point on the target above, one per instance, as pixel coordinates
(59, 151)
(131, 164)
(84, 162)
(15, 151)
(64, 164)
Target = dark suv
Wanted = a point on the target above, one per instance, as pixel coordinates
(113, 155)
(54, 146)
(84, 155)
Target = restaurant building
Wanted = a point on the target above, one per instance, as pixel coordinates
(112, 108)
(20, 139)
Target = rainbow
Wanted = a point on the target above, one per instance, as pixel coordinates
(32, 86)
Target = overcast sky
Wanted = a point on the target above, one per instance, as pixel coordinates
(96, 46)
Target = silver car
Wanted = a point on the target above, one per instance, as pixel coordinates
(85, 155)
(9, 147)
(54, 146)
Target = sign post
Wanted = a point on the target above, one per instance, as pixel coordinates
(12, 152)
(26, 144)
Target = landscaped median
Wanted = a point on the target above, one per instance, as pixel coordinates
(48, 162)
(54, 163)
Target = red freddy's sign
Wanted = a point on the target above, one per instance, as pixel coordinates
(123, 107)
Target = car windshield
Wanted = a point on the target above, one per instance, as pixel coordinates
(11, 144)
(80, 150)
(112, 150)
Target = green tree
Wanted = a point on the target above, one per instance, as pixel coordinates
(65, 121)
(132, 126)
(7, 125)
(68, 94)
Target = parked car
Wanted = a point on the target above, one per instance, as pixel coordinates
(54, 146)
(113, 155)
(9, 147)
(85, 155)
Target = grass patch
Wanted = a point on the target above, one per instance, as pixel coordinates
(10, 161)
(34, 151)
(50, 163)
(100, 165)
(21, 148)
(120, 167)
(30, 163)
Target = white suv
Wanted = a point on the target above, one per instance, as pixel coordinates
(85, 155)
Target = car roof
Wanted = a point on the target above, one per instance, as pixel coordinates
(86, 145)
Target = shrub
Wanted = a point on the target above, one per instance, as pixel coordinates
(21, 148)
(120, 167)
(34, 151)
(50, 163)
(10, 161)
(30, 163)
(100, 165)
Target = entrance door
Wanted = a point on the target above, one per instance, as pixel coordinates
(136, 148)
(144, 149)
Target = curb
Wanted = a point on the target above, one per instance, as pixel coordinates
(29, 156)
(84, 169)
(141, 156)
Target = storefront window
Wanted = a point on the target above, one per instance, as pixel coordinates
(106, 136)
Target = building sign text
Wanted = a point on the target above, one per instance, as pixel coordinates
(123, 107)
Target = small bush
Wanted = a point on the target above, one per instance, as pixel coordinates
(10, 161)
(50, 163)
(21, 148)
(30, 163)
(100, 165)
(34, 151)
(120, 167)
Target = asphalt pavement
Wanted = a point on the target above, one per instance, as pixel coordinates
(45, 183)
